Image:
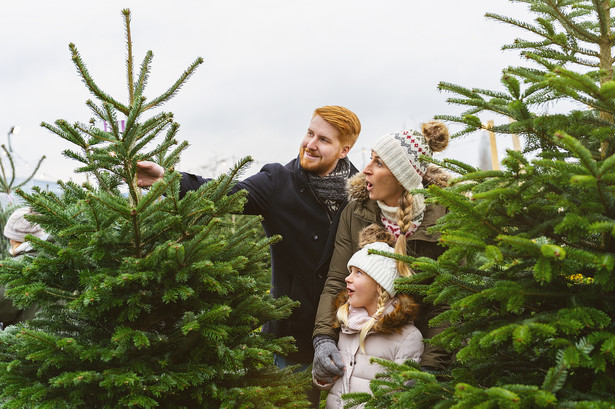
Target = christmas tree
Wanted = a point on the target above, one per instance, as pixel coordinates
(528, 270)
(145, 300)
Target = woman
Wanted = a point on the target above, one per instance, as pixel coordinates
(382, 195)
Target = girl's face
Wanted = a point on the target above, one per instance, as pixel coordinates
(381, 184)
(362, 290)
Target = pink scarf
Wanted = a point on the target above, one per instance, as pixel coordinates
(357, 317)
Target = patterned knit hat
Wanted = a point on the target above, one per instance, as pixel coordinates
(17, 226)
(382, 269)
(401, 151)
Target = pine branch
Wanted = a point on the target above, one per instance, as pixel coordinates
(91, 85)
(29, 178)
(6, 185)
(144, 73)
(129, 58)
(175, 87)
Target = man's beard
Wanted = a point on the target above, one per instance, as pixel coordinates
(316, 166)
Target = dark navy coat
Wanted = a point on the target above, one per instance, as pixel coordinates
(299, 263)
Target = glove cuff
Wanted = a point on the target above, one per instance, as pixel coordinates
(321, 339)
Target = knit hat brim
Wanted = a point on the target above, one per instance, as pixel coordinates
(381, 268)
(401, 152)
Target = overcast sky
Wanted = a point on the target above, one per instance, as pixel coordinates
(268, 65)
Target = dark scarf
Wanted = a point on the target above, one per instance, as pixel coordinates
(331, 189)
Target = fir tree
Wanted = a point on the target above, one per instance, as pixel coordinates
(146, 300)
(528, 270)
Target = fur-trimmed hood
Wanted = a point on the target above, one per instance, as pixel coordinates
(405, 310)
(357, 187)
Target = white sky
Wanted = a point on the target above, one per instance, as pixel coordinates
(268, 64)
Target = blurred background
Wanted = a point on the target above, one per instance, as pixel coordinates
(268, 65)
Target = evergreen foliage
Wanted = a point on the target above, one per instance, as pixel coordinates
(146, 300)
(528, 269)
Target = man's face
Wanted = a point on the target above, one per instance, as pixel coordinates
(321, 148)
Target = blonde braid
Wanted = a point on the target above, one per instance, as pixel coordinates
(404, 216)
(342, 313)
(382, 300)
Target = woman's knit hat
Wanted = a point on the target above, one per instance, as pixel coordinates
(381, 268)
(401, 151)
(17, 226)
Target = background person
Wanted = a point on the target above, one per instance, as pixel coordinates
(382, 195)
(16, 229)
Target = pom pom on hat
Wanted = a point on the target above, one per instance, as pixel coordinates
(17, 227)
(381, 268)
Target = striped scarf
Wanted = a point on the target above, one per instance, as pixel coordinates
(388, 217)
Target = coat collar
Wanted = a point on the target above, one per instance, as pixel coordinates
(404, 311)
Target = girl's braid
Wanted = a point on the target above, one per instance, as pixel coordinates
(382, 300)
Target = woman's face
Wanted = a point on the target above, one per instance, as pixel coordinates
(381, 184)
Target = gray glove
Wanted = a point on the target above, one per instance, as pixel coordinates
(328, 362)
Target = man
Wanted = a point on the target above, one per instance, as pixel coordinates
(301, 201)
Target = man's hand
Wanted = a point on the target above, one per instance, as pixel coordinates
(328, 364)
(148, 173)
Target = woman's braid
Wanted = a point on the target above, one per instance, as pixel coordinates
(404, 216)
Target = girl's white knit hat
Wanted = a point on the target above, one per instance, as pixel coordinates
(382, 269)
(401, 152)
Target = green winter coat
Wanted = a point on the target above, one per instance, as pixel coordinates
(358, 214)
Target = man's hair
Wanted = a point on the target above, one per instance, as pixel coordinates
(344, 120)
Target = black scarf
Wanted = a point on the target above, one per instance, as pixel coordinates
(331, 189)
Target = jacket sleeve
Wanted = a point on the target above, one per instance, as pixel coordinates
(411, 348)
(261, 188)
(335, 282)
(190, 182)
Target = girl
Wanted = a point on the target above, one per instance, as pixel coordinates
(374, 321)
(384, 195)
